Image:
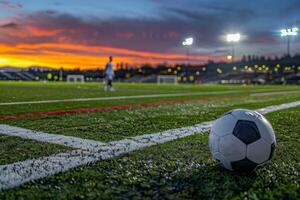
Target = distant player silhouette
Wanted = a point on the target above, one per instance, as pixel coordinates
(109, 75)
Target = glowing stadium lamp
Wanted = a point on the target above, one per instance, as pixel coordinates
(187, 43)
(288, 33)
(233, 38)
(229, 57)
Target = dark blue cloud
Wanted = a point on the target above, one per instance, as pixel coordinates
(161, 25)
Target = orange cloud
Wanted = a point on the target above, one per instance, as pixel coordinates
(75, 55)
(36, 31)
(24, 32)
(58, 40)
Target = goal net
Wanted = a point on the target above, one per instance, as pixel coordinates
(75, 78)
(167, 79)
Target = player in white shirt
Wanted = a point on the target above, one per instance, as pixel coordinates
(109, 74)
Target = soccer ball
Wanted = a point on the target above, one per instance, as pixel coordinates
(241, 140)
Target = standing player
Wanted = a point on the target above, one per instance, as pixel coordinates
(109, 75)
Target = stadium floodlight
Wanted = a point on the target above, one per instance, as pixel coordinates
(187, 43)
(229, 57)
(236, 37)
(288, 33)
(233, 38)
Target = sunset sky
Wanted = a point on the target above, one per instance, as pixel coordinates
(77, 33)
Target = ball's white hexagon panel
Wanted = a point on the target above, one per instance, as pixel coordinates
(244, 114)
(232, 148)
(259, 151)
(213, 142)
(225, 163)
(266, 130)
(224, 125)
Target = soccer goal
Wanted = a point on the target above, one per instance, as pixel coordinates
(75, 79)
(167, 79)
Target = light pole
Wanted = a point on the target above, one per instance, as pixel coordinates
(233, 38)
(187, 43)
(288, 33)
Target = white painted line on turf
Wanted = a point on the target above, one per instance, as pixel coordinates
(274, 93)
(278, 107)
(15, 174)
(129, 97)
(50, 138)
(142, 141)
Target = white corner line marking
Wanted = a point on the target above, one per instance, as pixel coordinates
(16, 174)
(68, 141)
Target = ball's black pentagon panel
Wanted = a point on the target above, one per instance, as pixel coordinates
(272, 151)
(246, 131)
(244, 165)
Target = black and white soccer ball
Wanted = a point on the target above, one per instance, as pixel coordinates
(241, 140)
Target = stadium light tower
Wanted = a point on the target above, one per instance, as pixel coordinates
(289, 33)
(233, 38)
(188, 42)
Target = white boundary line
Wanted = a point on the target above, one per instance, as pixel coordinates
(68, 141)
(15, 174)
(274, 93)
(131, 97)
(278, 107)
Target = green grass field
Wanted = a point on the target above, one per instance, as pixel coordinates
(180, 169)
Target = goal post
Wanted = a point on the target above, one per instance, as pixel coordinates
(167, 79)
(75, 79)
